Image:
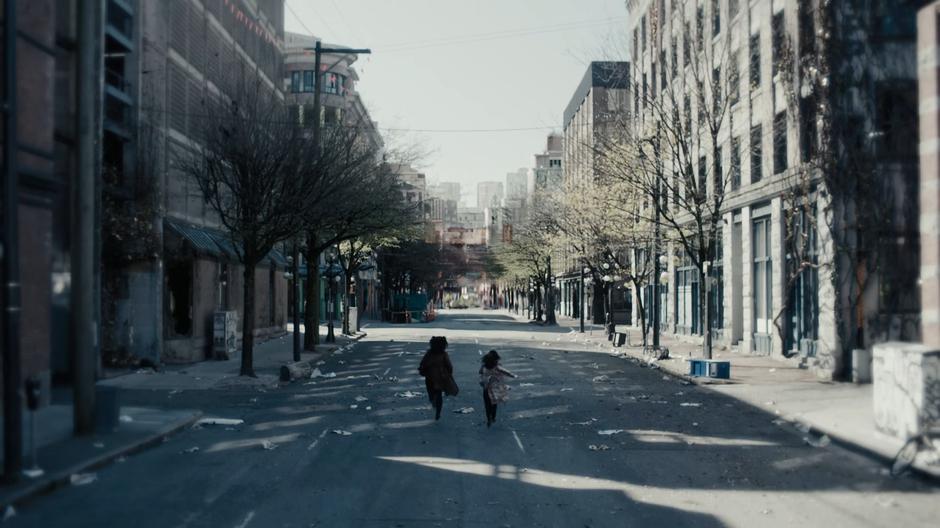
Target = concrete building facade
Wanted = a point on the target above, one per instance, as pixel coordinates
(772, 134)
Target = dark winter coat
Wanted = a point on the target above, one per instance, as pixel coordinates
(436, 369)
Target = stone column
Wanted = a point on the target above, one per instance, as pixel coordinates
(928, 60)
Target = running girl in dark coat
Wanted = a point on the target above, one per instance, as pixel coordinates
(438, 373)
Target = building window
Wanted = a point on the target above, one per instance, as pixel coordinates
(332, 83)
(802, 319)
(807, 29)
(701, 185)
(734, 78)
(700, 28)
(732, 9)
(686, 46)
(808, 133)
(735, 163)
(762, 276)
(295, 85)
(687, 292)
(653, 81)
(754, 48)
(780, 142)
(892, 19)
(643, 34)
(662, 73)
(309, 82)
(896, 119)
(716, 303)
(687, 111)
(777, 35)
(716, 92)
(718, 178)
(756, 158)
(675, 59)
(716, 17)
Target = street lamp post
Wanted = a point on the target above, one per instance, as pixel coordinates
(330, 275)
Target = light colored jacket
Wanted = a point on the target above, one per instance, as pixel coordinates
(493, 382)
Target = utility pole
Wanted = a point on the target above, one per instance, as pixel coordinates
(296, 291)
(9, 251)
(313, 268)
(84, 331)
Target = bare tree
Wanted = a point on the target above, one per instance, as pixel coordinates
(250, 168)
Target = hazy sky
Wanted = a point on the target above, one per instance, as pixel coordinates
(445, 73)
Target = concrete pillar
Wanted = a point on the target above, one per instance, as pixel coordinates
(928, 60)
(728, 300)
(828, 347)
(747, 271)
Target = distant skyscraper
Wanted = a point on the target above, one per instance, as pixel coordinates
(489, 194)
(517, 184)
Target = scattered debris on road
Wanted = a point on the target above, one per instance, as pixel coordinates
(341, 432)
(268, 445)
(588, 422)
(566, 389)
(526, 384)
(361, 398)
(601, 447)
(817, 441)
(219, 421)
(193, 449)
(463, 410)
(82, 479)
(407, 394)
(690, 404)
(603, 378)
(317, 374)
(610, 432)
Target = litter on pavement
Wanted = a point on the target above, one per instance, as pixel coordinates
(407, 394)
(193, 449)
(821, 441)
(601, 447)
(690, 404)
(463, 410)
(268, 445)
(603, 378)
(609, 432)
(588, 422)
(527, 384)
(82, 479)
(317, 374)
(341, 432)
(361, 398)
(566, 389)
(220, 421)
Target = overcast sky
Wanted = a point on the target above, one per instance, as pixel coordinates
(439, 66)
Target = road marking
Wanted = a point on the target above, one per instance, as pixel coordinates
(248, 518)
(518, 442)
(317, 441)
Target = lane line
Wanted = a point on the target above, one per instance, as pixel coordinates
(248, 518)
(317, 441)
(518, 442)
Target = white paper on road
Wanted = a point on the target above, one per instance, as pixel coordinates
(609, 432)
(407, 394)
(690, 404)
(361, 398)
(527, 384)
(603, 378)
(566, 389)
(219, 421)
(268, 445)
(193, 449)
(601, 447)
(463, 410)
(317, 374)
(82, 479)
(341, 432)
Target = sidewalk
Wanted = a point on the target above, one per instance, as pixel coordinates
(63, 457)
(214, 374)
(841, 411)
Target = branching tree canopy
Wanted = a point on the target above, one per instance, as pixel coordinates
(252, 167)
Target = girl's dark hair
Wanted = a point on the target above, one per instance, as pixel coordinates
(491, 359)
(438, 344)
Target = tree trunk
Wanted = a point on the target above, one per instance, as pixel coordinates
(348, 285)
(248, 321)
(550, 306)
(639, 305)
(312, 296)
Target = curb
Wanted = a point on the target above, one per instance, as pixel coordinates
(311, 362)
(62, 478)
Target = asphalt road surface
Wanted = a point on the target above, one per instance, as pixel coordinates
(362, 449)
